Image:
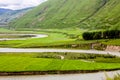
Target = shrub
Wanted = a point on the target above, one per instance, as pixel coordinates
(86, 36)
(109, 34)
(97, 35)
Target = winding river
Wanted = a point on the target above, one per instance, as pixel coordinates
(88, 76)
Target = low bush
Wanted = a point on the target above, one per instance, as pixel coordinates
(109, 34)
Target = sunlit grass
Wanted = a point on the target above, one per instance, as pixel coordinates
(30, 62)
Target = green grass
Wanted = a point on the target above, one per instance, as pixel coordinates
(4, 30)
(107, 60)
(116, 77)
(56, 40)
(112, 42)
(97, 14)
(69, 56)
(51, 40)
(8, 31)
(63, 38)
(13, 62)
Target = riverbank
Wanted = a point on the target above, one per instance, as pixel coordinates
(54, 72)
(80, 76)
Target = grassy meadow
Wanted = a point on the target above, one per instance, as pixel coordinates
(63, 38)
(15, 62)
(52, 61)
(64, 21)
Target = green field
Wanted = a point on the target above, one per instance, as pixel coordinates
(5, 30)
(51, 40)
(56, 38)
(64, 21)
(112, 42)
(14, 62)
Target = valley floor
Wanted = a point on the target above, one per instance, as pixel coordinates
(33, 60)
(71, 38)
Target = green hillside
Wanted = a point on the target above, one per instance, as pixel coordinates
(7, 15)
(92, 14)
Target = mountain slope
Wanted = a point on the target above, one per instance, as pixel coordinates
(90, 14)
(107, 17)
(6, 15)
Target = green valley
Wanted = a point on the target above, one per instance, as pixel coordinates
(62, 35)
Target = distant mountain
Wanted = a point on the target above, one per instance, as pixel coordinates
(2, 11)
(86, 14)
(6, 15)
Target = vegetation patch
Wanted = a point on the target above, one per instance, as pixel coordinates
(67, 38)
(110, 34)
(16, 62)
(116, 77)
(97, 14)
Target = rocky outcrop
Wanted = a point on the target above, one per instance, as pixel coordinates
(98, 46)
(113, 48)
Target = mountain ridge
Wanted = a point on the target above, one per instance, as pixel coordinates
(2, 10)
